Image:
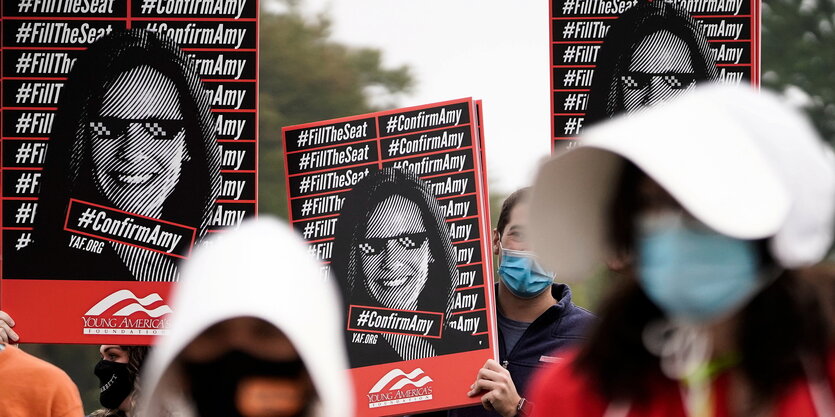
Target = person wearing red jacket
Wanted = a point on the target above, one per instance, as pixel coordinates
(711, 209)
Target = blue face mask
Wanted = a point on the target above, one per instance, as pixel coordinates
(522, 274)
(692, 272)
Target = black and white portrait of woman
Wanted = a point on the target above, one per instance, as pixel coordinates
(651, 53)
(392, 250)
(133, 132)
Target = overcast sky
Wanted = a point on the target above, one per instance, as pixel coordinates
(492, 50)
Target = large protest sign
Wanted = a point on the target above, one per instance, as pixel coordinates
(394, 204)
(609, 57)
(129, 134)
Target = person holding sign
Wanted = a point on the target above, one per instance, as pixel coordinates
(392, 251)
(653, 52)
(133, 143)
(715, 205)
(536, 318)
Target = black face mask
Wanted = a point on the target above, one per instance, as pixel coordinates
(215, 384)
(115, 382)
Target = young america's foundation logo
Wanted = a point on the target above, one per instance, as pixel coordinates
(397, 387)
(123, 313)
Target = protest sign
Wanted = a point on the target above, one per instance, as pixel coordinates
(612, 57)
(394, 204)
(129, 134)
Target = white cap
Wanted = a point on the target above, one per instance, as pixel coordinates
(738, 160)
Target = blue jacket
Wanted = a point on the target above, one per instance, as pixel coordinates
(562, 325)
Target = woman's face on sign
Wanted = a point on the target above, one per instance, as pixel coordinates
(394, 253)
(138, 141)
(660, 69)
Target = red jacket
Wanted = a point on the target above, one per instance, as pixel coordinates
(562, 392)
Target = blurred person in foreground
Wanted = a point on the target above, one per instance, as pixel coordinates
(710, 207)
(535, 318)
(255, 332)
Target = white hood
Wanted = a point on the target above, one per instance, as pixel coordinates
(740, 161)
(260, 270)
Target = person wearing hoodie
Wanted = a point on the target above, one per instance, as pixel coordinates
(714, 205)
(255, 333)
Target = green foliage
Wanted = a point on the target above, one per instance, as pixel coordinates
(305, 76)
(798, 49)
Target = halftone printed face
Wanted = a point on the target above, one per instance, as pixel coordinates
(138, 141)
(660, 69)
(394, 254)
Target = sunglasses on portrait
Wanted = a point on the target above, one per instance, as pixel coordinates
(408, 241)
(112, 127)
(674, 80)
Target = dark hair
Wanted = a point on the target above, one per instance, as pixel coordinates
(136, 357)
(68, 171)
(353, 223)
(623, 38)
(509, 203)
(781, 325)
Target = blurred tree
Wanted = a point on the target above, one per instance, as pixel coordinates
(305, 76)
(798, 56)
